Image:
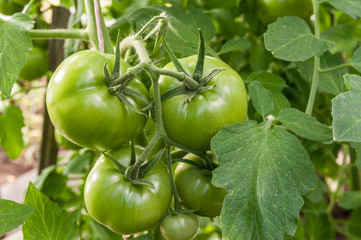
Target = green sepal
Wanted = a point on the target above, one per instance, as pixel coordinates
(116, 69)
(115, 162)
(130, 92)
(132, 155)
(147, 166)
(198, 71)
(214, 73)
(173, 58)
(122, 97)
(142, 182)
(190, 162)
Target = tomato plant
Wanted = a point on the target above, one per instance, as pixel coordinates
(196, 190)
(179, 226)
(285, 136)
(82, 109)
(269, 10)
(37, 64)
(193, 123)
(129, 208)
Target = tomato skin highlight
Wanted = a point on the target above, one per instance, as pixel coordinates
(196, 191)
(118, 204)
(179, 226)
(269, 10)
(194, 123)
(37, 64)
(82, 109)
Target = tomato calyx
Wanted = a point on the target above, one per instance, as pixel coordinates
(117, 85)
(137, 170)
(188, 90)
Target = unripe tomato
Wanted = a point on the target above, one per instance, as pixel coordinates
(194, 123)
(195, 189)
(64, 142)
(37, 64)
(84, 111)
(270, 10)
(179, 226)
(118, 204)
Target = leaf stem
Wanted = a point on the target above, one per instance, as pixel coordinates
(355, 173)
(59, 34)
(315, 78)
(326, 70)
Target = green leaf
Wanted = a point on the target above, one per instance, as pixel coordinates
(330, 82)
(12, 215)
(280, 102)
(358, 161)
(304, 125)
(14, 45)
(144, 237)
(356, 59)
(259, 58)
(291, 39)
(39, 182)
(318, 226)
(317, 195)
(270, 81)
(352, 81)
(350, 200)
(187, 24)
(354, 223)
(262, 99)
(265, 171)
(239, 44)
(48, 220)
(342, 37)
(350, 7)
(346, 113)
(79, 162)
(101, 232)
(11, 137)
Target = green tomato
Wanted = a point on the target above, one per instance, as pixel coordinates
(179, 226)
(64, 142)
(269, 10)
(118, 204)
(82, 109)
(193, 124)
(9, 7)
(196, 191)
(37, 64)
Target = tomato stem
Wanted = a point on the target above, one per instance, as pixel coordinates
(92, 28)
(177, 205)
(316, 67)
(58, 34)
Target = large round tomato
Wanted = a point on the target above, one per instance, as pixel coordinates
(270, 10)
(194, 123)
(36, 65)
(179, 226)
(82, 109)
(117, 203)
(195, 189)
(9, 7)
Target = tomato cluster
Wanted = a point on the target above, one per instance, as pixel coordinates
(86, 111)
